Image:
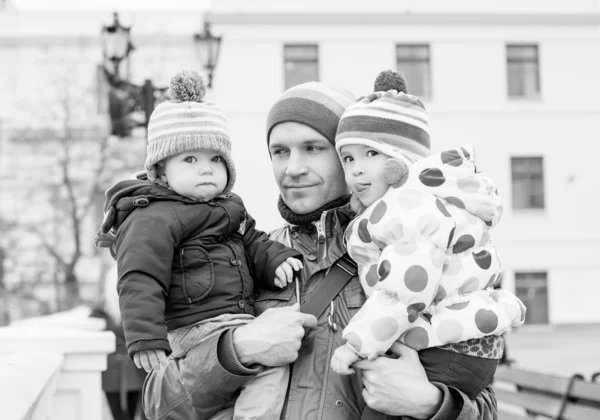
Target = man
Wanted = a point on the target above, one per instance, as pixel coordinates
(314, 201)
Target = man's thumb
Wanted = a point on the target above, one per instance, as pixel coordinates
(309, 321)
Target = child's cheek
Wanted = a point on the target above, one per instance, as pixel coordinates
(348, 176)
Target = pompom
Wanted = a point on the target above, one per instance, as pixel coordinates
(395, 172)
(187, 85)
(390, 80)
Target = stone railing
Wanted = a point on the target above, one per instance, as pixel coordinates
(50, 367)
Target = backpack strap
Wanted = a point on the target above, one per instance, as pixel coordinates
(330, 286)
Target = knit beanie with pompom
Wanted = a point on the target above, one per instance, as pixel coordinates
(389, 120)
(187, 122)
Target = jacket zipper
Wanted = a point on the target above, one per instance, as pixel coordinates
(216, 204)
(321, 238)
(185, 293)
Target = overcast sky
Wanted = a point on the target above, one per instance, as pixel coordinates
(109, 4)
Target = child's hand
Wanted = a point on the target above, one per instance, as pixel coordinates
(342, 359)
(285, 272)
(149, 359)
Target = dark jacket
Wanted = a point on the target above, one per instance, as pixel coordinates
(181, 261)
(315, 392)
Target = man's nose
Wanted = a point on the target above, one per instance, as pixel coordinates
(295, 166)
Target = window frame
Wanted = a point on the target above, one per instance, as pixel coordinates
(521, 277)
(285, 61)
(416, 60)
(522, 60)
(530, 179)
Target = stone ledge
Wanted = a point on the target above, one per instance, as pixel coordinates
(62, 340)
(27, 383)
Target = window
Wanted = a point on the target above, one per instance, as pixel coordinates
(301, 64)
(527, 182)
(523, 71)
(413, 61)
(532, 289)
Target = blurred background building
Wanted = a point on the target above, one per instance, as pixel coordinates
(517, 79)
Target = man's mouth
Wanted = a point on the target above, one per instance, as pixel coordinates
(299, 186)
(361, 187)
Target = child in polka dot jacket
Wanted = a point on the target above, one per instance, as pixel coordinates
(422, 244)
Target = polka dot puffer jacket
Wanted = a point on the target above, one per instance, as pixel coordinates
(426, 260)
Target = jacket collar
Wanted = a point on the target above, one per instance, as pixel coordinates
(306, 219)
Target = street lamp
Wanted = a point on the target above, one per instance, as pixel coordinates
(116, 43)
(207, 47)
(124, 97)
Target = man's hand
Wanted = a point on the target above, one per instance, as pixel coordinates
(284, 274)
(399, 386)
(273, 338)
(342, 359)
(149, 359)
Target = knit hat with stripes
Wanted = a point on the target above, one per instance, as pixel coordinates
(186, 123)
(390, 121)
(313, 104)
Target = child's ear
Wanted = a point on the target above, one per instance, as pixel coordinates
(160, 172)
(395, 172)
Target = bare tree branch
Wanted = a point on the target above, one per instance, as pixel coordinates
(75, 219)
(97, 175)
(49, 247)
(7, 225)
(81, 164)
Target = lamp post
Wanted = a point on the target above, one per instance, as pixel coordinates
(116, 43)
(125, 97)
(207, 47)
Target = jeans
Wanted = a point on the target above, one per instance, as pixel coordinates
(262, 397)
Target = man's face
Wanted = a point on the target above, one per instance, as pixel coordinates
(307, 169)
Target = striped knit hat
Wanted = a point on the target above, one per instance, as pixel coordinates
(187, 123)
(313, 104)
(391, 121)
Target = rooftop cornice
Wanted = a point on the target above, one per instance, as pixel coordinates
(450, 18)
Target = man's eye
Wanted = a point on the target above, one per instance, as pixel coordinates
(190, 159)
(276, 152)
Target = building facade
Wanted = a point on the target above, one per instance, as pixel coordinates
(518, 80)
